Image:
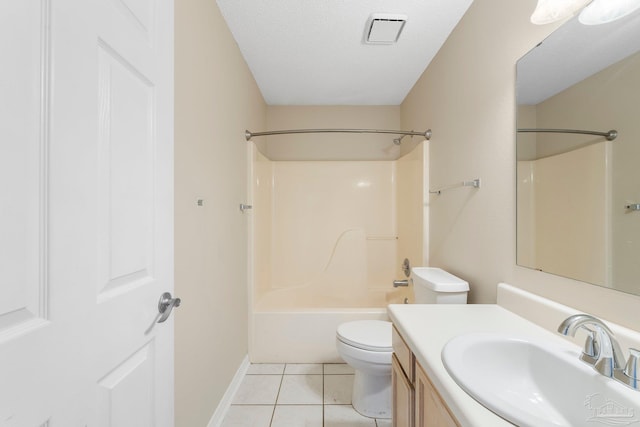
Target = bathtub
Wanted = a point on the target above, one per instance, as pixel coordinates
(325, 240)
(299, 325)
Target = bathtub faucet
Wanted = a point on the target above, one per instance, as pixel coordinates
(397, 283)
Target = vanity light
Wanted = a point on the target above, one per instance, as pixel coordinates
(548, 11)
(595, 12)
(601, 12)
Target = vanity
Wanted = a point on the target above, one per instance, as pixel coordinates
(425, 394)
(414, 395)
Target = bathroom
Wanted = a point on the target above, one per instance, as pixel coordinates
(466, 97)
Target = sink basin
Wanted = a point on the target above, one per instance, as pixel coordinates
(534, 382)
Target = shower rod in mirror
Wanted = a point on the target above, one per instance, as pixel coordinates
(610, 135)
(427, 134)
(475, 183)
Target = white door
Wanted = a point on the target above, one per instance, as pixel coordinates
(86, 212)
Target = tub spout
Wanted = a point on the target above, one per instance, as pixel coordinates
(397, 283)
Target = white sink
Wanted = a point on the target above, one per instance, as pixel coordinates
(531, 382)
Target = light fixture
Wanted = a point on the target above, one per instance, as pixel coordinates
(601, 12)
(594, 12)
(548, 11)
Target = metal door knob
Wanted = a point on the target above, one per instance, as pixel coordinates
(165, 305)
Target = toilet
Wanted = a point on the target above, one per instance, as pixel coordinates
(365, 345)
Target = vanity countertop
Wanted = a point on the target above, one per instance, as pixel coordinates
(427, 328)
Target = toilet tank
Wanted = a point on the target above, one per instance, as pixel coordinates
(433, 285)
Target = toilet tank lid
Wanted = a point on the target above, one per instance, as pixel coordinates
(438, 280)
(372, 335)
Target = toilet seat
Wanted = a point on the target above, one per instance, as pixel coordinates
(370, 335)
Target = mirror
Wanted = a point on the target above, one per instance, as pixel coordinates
(578, 195)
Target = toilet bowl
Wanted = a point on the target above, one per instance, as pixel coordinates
(366, 344)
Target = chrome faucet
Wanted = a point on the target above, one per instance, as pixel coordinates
(406, 269)
(602, 350)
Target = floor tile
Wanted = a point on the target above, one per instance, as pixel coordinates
(266, 369)
(345, 415)
(301, 389)
(303, 369)
(337, 389)
(258, 390)
(384, 423)
(337, 369)
(248, 416)
(297, 416)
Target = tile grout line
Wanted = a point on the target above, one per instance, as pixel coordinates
(323, 405)
(275, 404)
(323, 373)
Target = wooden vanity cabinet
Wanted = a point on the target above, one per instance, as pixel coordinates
(430, 411)
(416, 402)
(403, 396)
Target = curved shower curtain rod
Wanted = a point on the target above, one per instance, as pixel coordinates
(427, 134)
(610, 135)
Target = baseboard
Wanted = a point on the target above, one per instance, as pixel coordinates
(225, 402)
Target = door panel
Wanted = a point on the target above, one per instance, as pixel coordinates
(141, 12)
(23, 167)
(126, 394)
(126, 165)
(24, 213)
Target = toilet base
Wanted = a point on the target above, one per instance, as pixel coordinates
(371, 395)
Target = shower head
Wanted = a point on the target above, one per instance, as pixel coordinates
(398, 140)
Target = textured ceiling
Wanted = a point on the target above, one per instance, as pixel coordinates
(311, 52)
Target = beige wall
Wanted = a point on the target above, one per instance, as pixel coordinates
(467, 97)
(216, 99)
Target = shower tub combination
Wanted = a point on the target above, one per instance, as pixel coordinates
(328, 238)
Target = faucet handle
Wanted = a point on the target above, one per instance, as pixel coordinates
(630, 375)
(633, 364)
(610, 357)
(591, 349)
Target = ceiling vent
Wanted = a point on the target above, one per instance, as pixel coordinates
(384, 28)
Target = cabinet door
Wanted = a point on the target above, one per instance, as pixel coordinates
(402, 396)
(431, 411)
(403, 353)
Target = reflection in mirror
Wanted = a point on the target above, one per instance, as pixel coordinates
(576, 192)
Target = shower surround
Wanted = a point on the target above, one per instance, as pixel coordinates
(328, 239)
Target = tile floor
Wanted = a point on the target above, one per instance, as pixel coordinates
(297, 395)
